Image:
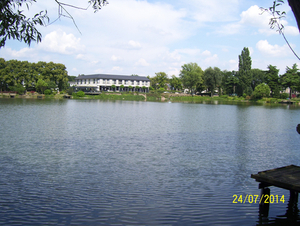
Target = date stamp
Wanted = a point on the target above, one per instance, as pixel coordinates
(265, 198)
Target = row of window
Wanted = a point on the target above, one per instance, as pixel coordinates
(112, 82)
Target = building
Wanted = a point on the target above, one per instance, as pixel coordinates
(105, 82)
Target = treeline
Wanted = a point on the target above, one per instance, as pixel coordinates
(254, 83)
(22, 75)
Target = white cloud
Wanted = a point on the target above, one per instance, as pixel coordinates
(115, 58)
(206, 53)
(22, 53)
(117, 68)
(60, 42)
(142, 62)
(272, 50)
(254, 17)
(213, 10)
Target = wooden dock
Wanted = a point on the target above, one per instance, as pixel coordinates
(287, 177)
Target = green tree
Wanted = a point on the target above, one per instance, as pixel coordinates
(41, 85)
(229, 82)
(191, 76)
(212, 79)
(244, 75)
(272, 80)
(161, 79)
(291, 79)
(262, 90)
(258, 77)
(15, 25)
(113, 87)
(122, 87)
(175, 83)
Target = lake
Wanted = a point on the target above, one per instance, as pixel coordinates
(91, 162)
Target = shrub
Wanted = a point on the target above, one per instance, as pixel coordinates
(47, 92)
(224, 96)
(80, 94)
(262, 90)
(284, 95)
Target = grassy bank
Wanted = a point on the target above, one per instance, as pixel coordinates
(153, 97)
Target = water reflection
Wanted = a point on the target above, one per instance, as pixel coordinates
(290, 218)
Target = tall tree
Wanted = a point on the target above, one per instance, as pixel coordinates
(161, 80)
(291, 79)
(258, 77)
(175, 83)
(229, 82)
(192, 76)
(272, 79)
(212, 79)
(245, 75)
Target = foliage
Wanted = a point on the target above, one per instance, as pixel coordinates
(14, 72)
(70, 90)
(191, 75)
(212, 79)
(41, 85)
(20, 89)
(175, 83)
(159, 80)
(71, 78)
(47, 92)
(229, 82)
(258, 77)
(80, 94)
(291, 79)
(244, 74)
(262, 90)
(15, 25)
(272, 79)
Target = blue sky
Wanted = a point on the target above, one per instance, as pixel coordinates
(144, 37)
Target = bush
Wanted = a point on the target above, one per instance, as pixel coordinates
(262, 90)
(224, 96)
(80, 94)
(284, 95)
(47, 92)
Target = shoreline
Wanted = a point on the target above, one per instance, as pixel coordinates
(154, 97)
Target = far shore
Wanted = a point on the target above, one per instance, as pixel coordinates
(163, 97)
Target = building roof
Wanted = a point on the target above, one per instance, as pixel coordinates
(106, 76)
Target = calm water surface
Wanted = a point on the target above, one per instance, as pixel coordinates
(73, 162)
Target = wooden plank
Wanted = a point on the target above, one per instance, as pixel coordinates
(287, 177)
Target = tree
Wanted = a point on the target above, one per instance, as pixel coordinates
(191, 75)
(15, 25)
(175, 83)
(212, 79)
(244, 75)
(258, 77)
(272, 80)
(229, 81)
(41, 85)
(291, 79)
(162, 79)
(262, 90)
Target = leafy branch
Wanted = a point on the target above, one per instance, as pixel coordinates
(275, 20)
(63, 12)
(15, 25)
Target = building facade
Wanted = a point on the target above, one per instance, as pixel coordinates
(105, 82)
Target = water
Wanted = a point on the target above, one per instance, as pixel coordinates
(73, 162)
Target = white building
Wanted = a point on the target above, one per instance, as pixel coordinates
(104, 82)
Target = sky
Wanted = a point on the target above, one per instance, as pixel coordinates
(144, 37)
